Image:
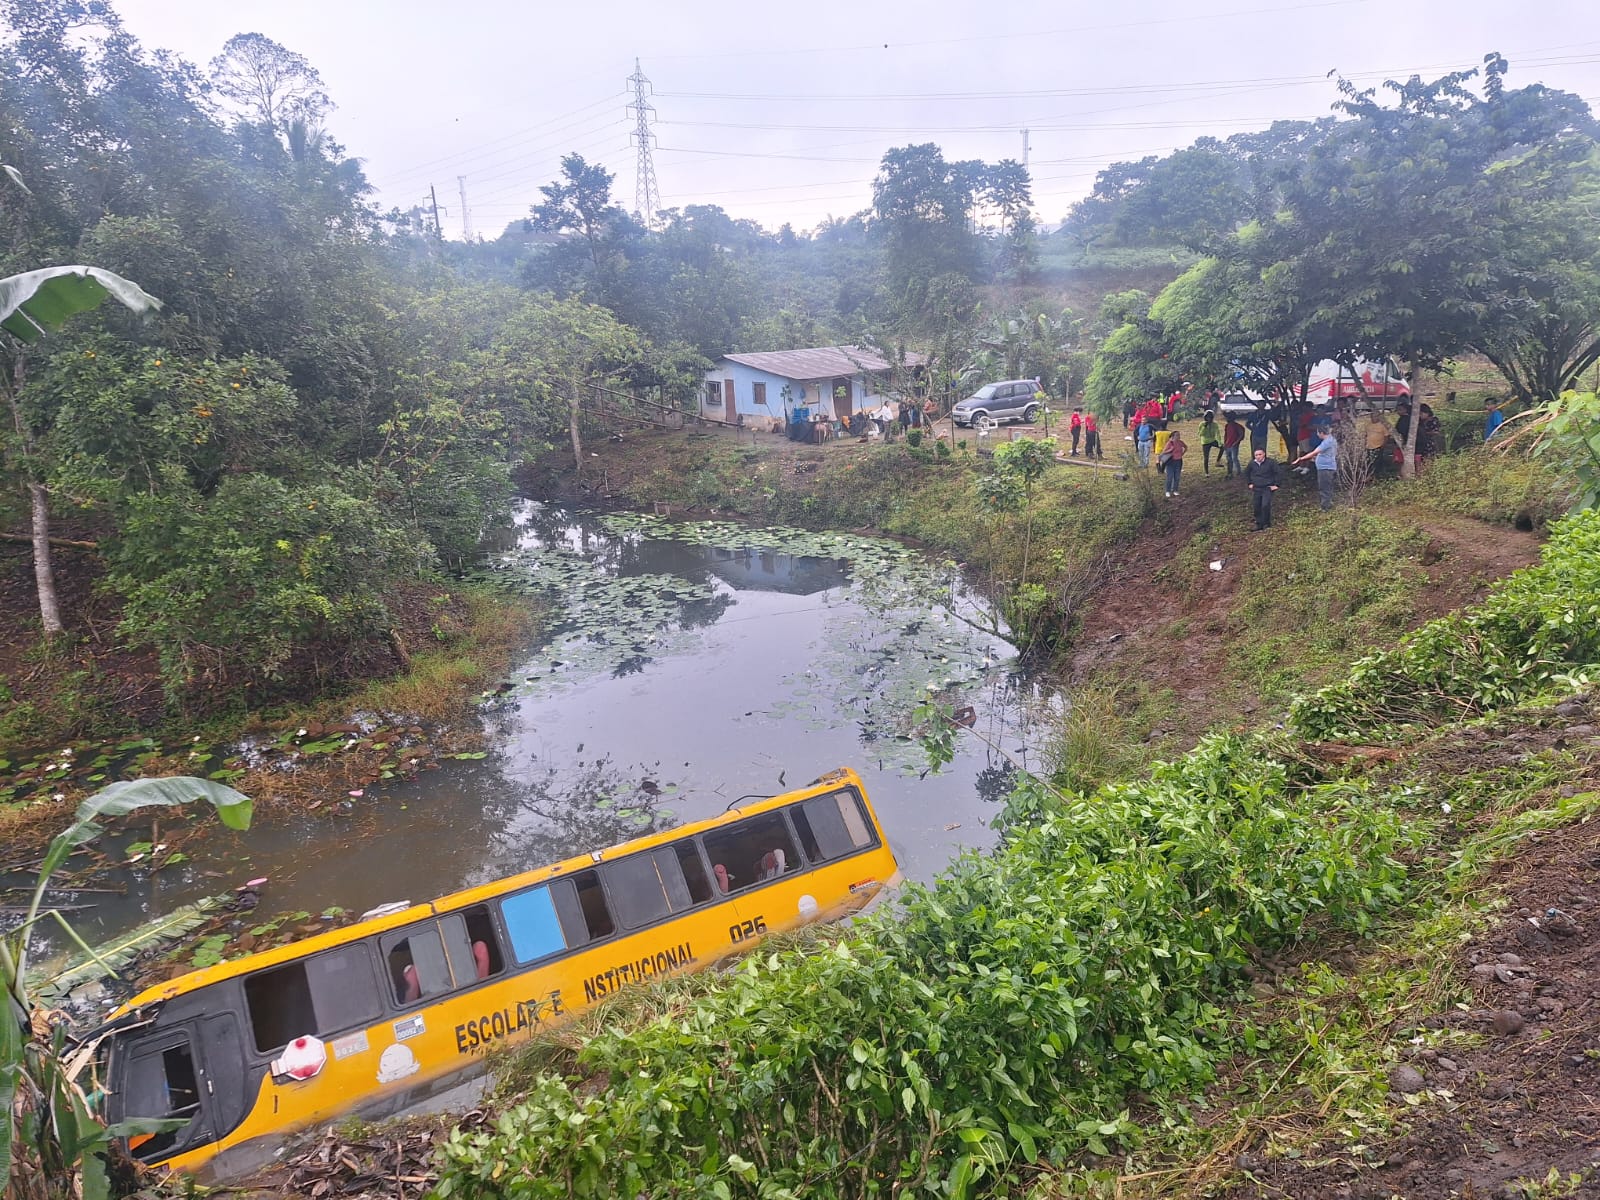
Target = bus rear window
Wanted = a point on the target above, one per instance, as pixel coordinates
(320, 995)
(831, 826)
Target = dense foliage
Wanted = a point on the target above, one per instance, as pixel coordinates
(1000, 1018)
(326, 375)
(1447, 222)
(1005, 1016)
(1541, 624)
(323, 374)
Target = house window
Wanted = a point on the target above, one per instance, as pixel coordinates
(760, 392)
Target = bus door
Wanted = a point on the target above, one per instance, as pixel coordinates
(163, 1077)
(193, 1072)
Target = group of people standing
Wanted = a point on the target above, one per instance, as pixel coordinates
(906, 414)
(1085, 426)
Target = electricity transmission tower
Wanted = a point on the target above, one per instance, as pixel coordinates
(646, 195)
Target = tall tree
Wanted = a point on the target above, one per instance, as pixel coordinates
(562, 349)
(580, 203)
(922, 209)
(270, 84)
(1008, 189)
(30, 305)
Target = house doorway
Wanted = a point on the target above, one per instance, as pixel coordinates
(730, 411)
(843, 397)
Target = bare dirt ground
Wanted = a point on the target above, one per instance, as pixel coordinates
(1124, 626)
(1513, 1109)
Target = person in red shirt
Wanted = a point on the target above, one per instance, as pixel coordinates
(1075, 424)
(1091, 437)
(1232, 435)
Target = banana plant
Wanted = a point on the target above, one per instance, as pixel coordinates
(50, 1137)
(32, 304)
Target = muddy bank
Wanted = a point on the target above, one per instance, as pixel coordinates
(291, 758)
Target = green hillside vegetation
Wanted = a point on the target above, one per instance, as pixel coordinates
(1012, 1019)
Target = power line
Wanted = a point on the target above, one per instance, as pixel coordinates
(535, 131)
(1228, 84)
(1031, 35)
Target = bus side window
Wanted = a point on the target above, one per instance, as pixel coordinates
(320, 995)
(753, 849)
(581, 906)
(694, 870)
(471, 945)
(531, 923)
(417, 965)
(652, 885)
(831, 826)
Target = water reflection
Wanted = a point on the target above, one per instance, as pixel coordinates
(690, 665)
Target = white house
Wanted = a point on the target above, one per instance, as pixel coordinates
(764, 389)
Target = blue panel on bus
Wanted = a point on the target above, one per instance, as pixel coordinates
(531, 921)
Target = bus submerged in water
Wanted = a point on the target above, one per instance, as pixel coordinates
(376, 1016)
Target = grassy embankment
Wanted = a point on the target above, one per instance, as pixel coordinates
(1156, 647)
(1178, 984)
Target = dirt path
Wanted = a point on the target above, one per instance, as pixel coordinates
(1126, 630)
(1503, 1093)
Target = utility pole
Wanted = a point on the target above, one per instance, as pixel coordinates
(1024, 149)
(466, 214)
(438, 229)
(646, 195)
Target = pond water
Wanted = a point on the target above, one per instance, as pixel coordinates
(687, 665)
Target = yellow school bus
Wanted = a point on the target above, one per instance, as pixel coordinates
(379, 1015)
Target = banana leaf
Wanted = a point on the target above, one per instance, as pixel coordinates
(114, 954)
(36, 302)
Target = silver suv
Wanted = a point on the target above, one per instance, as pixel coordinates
(997, 402)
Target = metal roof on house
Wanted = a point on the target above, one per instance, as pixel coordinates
(820, 362)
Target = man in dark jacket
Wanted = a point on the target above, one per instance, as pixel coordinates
(1261, 477)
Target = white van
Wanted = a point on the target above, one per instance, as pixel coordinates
(1379, 382)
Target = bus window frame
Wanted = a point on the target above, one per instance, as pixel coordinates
(375, 974)
(497, 944)
(390, 940)
(874, 839)
(796, 862)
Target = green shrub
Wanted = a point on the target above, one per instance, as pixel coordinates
(1491, 484)
(1541, 622)
(236, 584)
(1001, 1018)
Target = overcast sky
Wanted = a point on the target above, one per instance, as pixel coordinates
(780, 113)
